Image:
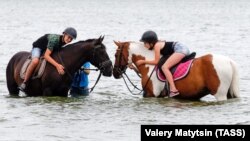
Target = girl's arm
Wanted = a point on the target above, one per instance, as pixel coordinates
(157, 50)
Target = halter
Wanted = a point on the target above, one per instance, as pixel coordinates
(120, 57)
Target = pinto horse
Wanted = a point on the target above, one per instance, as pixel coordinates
(209, 74)
(51, 82)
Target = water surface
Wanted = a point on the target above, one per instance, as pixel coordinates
(111, 112)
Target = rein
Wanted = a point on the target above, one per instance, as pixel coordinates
(92, 88)
(99, 76)
(135, 86)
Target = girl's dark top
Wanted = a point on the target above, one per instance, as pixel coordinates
(50, 41)
(168, 49)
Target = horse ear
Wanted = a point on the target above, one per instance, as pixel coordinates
(100, 39)
(117, 43)
(103, 37)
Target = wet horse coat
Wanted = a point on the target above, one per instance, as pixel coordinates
(71, 57)
(209, 74)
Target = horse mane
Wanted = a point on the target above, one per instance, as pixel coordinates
(79, 42)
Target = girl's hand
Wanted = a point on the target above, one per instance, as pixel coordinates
(140, 62)
(131, 66)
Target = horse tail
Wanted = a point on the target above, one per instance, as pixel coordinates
(234, 86)
(11, 83)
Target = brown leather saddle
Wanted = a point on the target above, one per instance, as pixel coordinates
(38, 72)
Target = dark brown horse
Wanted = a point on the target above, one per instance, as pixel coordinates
(209, 74)
(52, 83)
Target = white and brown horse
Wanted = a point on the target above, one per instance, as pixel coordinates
(209, 74)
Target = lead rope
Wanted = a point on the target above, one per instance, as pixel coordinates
(92, 88)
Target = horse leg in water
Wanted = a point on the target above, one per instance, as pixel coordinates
(47, 92)
(228, 75)
(234, 91)
(61, 92)
(11, 83)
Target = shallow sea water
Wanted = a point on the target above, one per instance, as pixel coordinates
(111, 112)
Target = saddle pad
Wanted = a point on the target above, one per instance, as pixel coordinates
(38, 72)
(180, 71)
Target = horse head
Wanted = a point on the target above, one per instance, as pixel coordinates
(99, 57)
(130, 52)
(121, 59)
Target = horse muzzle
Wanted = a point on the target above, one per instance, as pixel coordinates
(118, 71)
(106, 68)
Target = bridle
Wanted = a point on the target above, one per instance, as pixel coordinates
(101, 67)
(121, 58)
(103, 64)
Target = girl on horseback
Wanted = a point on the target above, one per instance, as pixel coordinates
(175, 50)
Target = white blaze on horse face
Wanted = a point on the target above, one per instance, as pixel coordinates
(137, 48)
(224, 71)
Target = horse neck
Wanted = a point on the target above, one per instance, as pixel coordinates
(137, 51)
(74, 57)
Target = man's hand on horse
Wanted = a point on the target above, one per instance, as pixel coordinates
(60, 69)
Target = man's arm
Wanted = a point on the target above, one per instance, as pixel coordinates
(48, 58)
